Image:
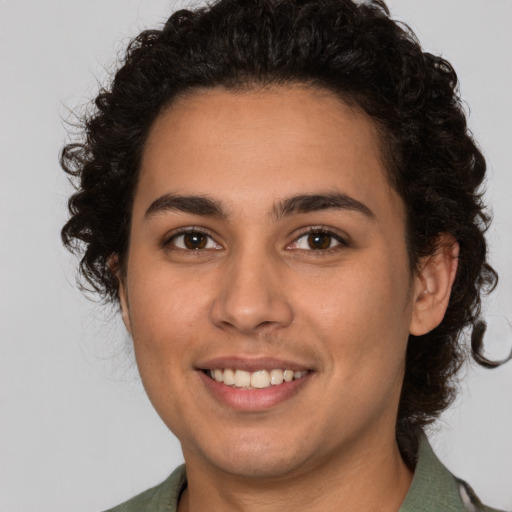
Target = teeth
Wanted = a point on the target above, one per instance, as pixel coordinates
(229, 377)
(257, 380)
(242, 379)
(276, 377)
(260, 379)
(288, 375)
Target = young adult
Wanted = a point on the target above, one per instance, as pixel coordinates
(284, 198)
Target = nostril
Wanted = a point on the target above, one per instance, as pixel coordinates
(254, 316)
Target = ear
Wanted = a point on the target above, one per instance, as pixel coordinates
(113, 263)
(433, 285)
(123, 305)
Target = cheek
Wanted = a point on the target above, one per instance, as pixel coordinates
(167, 309)
(167, 313)
(362, 314)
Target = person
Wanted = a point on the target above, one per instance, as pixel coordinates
(285, 200)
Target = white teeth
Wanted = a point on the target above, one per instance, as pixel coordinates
(288, 375)
(276, 377)
(242, 379)
(259, 379)
(229, 377)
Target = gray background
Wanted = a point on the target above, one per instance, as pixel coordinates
(76, 430)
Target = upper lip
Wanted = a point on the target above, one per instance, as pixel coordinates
(251, 364)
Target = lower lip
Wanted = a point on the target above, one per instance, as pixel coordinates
(253, 399)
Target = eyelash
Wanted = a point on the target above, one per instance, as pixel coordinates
(313, 230)
(318, 230)
(168, 242)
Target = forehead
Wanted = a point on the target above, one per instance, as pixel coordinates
(259, 146)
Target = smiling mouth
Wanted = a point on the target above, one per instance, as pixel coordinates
(259, 379)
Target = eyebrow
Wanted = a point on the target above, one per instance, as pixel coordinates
(308, 203)
(195, 205)
(304, 203)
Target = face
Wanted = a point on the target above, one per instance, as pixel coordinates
(267, 284)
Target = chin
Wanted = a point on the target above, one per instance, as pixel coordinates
(256, 459)
(259, 467)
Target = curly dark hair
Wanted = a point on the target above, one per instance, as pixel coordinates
(357, 52)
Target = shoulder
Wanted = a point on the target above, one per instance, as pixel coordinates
(434, 488)
(471, 500)
(161, 498)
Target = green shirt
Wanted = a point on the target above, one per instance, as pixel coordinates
(433, 489)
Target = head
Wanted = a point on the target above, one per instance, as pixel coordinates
(348, 56)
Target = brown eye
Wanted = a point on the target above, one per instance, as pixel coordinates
(195, 240)
(319, 241)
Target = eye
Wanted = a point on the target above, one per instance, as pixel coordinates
(193, 240)
(317, 240)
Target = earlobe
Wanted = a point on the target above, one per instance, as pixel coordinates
(433, 285)
(123, 306)
(113, 264)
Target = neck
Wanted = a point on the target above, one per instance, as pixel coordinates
(371, 478)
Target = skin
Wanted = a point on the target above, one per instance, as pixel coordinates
(257, 290)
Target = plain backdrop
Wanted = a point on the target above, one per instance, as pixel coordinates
(77, 432)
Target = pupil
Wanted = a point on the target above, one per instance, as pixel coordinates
(319, 241)
(195, 240)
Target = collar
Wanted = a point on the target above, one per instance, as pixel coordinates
(433, 487)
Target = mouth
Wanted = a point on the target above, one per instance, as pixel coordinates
(259, 379)
(254, 384)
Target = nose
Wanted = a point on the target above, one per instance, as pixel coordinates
(252, 297)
